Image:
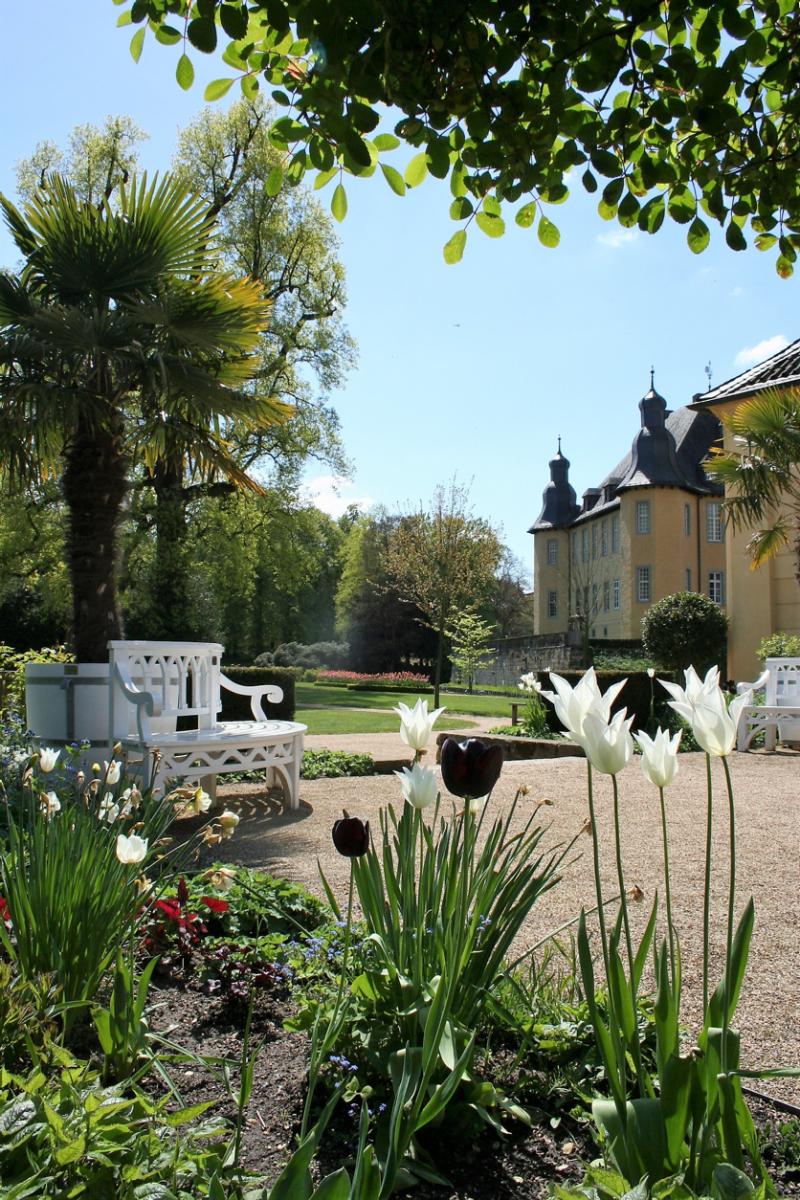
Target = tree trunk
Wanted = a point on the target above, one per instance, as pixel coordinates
(437, 671)
(94, 484)
(171, 616)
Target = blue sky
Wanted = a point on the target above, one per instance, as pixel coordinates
(472, 370)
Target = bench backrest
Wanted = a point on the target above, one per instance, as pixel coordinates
(181, 677)
(783, 685)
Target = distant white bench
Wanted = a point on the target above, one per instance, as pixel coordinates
(780, 712)
(155, 687)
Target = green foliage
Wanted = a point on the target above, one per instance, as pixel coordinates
(685, 629)
(28, 1009)
(65, 1134)
(505, 107)
(12, 673)
(296, 654)
(259, 904)
(122, 1028)
(333, 764)
(468, 635)
(779, 645)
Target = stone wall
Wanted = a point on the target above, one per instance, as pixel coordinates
(517, 656)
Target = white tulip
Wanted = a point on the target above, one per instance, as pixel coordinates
(112, 771)
(418, 785)
(529, 683)
(131, 849)
(608, 745)
(48, 759)
(222, 879)
(573, 705)
(108, 809)
(713, 721)
(659, 756)
(651, 672)
(228, 822)
(416, 724)
(50, 804)
(696, 689)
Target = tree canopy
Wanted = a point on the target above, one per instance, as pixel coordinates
(687, 110)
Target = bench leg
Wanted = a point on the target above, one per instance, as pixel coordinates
(294, 798)
(770, 737)
(209, 784)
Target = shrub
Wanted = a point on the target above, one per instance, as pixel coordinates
(12, 672)
(779, 645)
(298, 654)
(334, 764)
(685, 629)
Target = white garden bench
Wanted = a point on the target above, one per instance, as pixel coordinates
(157, 687)
(780, 712)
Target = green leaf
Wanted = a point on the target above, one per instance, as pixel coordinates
(202, 33)
(454, 248)
(137, 41)
(492, 226)
(698, 236)
(527, 215)
(589, 181)
(682, 206)
(730, 1183)
(334, 1187)
(274, 181)
(394, 179)
(416, 170)
(184, 72)
(324, 178)
(339, 202)
(734, 236)
(233, 19)
(218, 88)
(548, 233)
(385, 141)
(461, 208)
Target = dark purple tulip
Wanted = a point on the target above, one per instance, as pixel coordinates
(470, 769)
(351, 836)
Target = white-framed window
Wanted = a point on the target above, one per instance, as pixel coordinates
(714, 521)
(687, 522)
(688, 580)
(716, 586)
(606, 596)
(642, 516)
(604, 536)
(552, 552)
(615, 535)
(615, 592)
(552, 604)
(594, 541)
(585, 544)
(643, 589)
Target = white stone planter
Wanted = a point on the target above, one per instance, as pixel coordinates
(67, 702)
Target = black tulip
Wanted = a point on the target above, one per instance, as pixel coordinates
(470, 769)
(351, 836)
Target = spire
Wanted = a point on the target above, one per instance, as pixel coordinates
(560, 505)
(653, 407)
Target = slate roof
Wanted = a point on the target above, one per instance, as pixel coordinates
(781, 370)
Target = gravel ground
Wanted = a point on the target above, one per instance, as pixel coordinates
(768, 818)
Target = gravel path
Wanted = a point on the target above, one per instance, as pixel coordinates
(768, 818)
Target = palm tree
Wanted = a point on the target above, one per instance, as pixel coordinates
(120, 342)
(762, 484)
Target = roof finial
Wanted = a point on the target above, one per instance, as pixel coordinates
(559, 443)
(709, 373)
(652, 373)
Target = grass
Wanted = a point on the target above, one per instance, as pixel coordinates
(350, 720)
(321, 696)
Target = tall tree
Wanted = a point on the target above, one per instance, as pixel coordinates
(442, 558)
(762, 484)
(508, 603)
(113, 306)
(689, 110)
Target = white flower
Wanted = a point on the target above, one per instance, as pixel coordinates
(228, 822)
(200, 802)
(416, 723)
(529, 683)
(651, 671)
(132, 798)
(608, 745)
(131, 849)
(48, 759)
(50, 804)
(108, 809)
(418, 785)
(702, 704)
(573, 705)
(112, 771)
(659, 756)
(222, 879)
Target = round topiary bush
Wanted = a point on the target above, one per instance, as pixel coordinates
(685, 629)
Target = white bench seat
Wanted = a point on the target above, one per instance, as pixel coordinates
(780, 712)
(154, 685)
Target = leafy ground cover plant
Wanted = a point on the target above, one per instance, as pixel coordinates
(333, 764)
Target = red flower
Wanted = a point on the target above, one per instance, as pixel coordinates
(5, 915)
(216, 906)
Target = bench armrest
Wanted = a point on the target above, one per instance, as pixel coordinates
(759, 683)
(257, 693)
(137, 696)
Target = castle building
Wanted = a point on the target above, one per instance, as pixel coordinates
(653, 526)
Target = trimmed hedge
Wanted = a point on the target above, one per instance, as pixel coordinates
(237, 708)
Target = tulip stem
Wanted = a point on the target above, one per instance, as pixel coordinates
(637, 1055)
(597, 882)
(707, 896)
(731, 901)
(667, 886)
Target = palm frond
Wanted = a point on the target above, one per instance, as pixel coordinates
(765, 543)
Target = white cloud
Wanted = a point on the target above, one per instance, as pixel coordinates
(617, 238)
(332, 494)
(738, 290)
(750, 355)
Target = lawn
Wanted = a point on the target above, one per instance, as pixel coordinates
(318, 695)
(351, 720)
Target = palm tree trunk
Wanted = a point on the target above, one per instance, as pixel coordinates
(94, 484)
(171, 607)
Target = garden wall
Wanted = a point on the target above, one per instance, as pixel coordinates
(517, 656)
